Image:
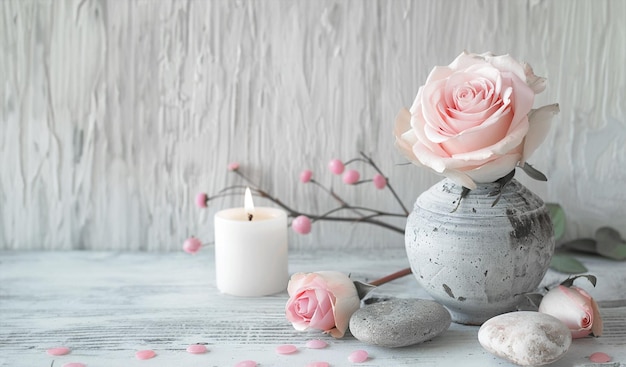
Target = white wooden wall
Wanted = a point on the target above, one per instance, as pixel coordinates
(116, 113)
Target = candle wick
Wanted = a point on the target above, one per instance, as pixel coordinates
(250, 217)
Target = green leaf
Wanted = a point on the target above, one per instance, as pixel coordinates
(610, 243)
(534, 173)
(570, 281)
(567, 264)
(362, 289)
(557, 214)
(587, 245)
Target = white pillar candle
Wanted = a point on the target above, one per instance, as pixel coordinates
(251, 255)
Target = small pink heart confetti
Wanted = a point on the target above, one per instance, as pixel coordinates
(145, 354)
(246, 364)
(318, 364)
(196, 349)
(599, 357)
(358, 356)
(316, 344)
(74, 364)
(58, 351)
(286, 349)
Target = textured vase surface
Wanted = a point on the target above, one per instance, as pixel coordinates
(476, 258)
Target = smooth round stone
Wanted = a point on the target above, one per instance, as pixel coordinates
(248, 363)
(399, 322)
(525, 338)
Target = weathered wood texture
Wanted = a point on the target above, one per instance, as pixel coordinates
(105, 306)
(115, 113)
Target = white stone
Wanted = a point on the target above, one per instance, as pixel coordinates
(525, 338)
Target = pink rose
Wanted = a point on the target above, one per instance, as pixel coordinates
(472, 121)
(324, 300)
(575, 308)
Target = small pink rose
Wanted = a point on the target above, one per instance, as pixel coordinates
(336, 166)
(472, 121)
(575, 308)
(306, 175)
(323, 300)
(301, 224)
(351, 177)
(233, 166)
(201, 200)
(379, 181)
(192, 245)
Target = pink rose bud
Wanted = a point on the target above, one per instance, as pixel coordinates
(233, 166)
(323, 300)
(192, 245)
(336, 166)
(351, 177)
(201, 200)
(575, 308)
(379, 181)
(301, 224)
(306, 175)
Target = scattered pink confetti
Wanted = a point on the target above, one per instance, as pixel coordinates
(318, 364)
(58, 351)
(286, 349)
(358, 356)
(145, 354)
(74, 364)
(599, 357)
(316, 344)
(246, 364)
(196, 349)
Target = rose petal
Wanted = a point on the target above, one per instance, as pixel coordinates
(539, 121)
(598, 324)
(536, 83)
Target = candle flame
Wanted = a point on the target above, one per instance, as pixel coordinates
(248, 204)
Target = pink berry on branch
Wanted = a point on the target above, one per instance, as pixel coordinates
(379, 181)
(201, 200)
(233, 166)
(306, 175)
(301, 224)
(336, 166)
(351, 177)
(192, 245)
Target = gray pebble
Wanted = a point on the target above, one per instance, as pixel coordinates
(399, 322)
(525, 338)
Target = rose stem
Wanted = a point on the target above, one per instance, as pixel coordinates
(390, 277)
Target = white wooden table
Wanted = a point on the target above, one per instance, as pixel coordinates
(107, 306)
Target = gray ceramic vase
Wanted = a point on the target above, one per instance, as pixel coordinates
(476, 258)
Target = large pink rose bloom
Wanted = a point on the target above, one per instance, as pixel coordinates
(575, 308)
(473, 120)
(324, 300)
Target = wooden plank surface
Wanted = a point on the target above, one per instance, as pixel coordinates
(105, 306)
